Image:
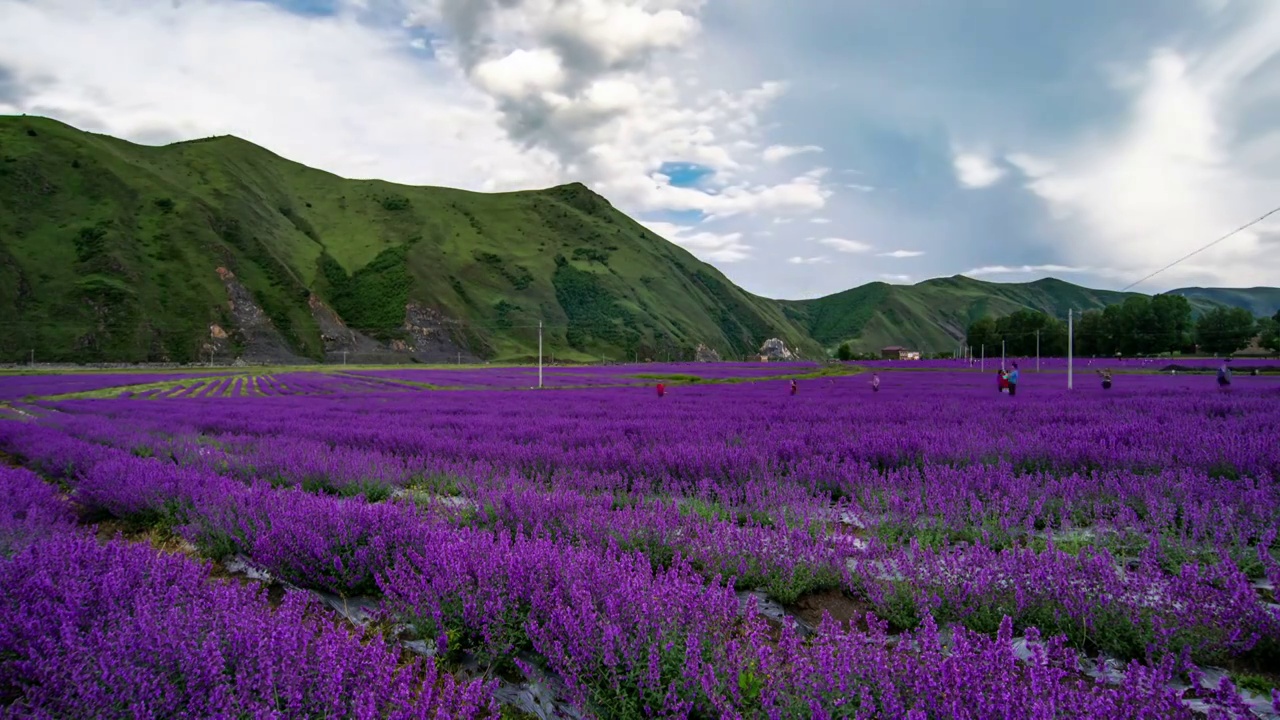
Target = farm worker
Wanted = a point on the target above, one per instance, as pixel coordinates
(1013, 380)
(875, 382)
(794, 387)
(662, 389)
(1106, 379)
(1224, 376)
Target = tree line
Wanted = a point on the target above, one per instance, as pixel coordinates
(1140, 325)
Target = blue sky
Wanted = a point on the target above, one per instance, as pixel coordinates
(802, 148)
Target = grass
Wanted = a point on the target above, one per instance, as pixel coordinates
(828, 371)
(112, 250)
(931, 316)
(111, 253)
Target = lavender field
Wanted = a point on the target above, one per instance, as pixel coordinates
(369, 545)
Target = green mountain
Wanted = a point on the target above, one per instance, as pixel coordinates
(1261, 301)
(932, 315)
(111, 251)
(116, 252)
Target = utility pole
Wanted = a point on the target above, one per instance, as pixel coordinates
(33, 357)
(1070, 344)
(1002, 353)
(539, 354)
(344, 358)
(1037, 351)
(982, 360)
(459, 358)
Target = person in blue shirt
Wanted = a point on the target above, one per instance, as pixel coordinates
(1013, 380)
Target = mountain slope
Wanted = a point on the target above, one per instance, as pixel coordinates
(1261, 301)
(932, 315)
(111, 251)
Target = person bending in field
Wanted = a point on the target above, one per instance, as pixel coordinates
(794, 388)
(875, 382)
(1013, 380)
(1224, 376)
(1106, 379)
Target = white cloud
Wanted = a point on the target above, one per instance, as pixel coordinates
(329, 92)
(975, 170)
(820, 221)
(902, 254)
(1023, 270)
(817, 260)
(520, 73)
(520, 93)
(777, 153)
(706, 245)
(895, 278)
(1030, 165)
(618, 107)
(860, 188)
(845, 246)
(1197, 157)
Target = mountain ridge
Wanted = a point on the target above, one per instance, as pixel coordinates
(114, 251)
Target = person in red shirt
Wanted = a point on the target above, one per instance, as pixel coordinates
(662, 389)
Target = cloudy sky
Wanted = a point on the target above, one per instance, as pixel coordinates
(801, 147)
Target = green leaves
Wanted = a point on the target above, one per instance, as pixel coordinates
(1223, 331)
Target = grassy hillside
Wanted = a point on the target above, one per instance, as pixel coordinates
(932, 315)
(1261, 301)
(111, 251)
(116, 252)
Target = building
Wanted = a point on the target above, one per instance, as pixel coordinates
(897, 352)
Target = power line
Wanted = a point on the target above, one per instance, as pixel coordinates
(1197, 252)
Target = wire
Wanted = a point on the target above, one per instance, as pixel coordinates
(1197, 252)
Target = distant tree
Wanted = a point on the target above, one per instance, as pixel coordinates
(1130, 325)
(844, 353)
(1223, 331)
(1270, 332)
(395, 203)
(983, 332)
(1020, 331)
(1093, 334)
(1170, 324)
